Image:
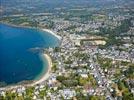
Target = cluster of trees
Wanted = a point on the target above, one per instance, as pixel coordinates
(129, 73)
(22, 20)
(112, 33)
(57, 49)
(124, 27)
(50, 24)
(12, 96)
(123, 87)
(68, 81)
(29, 93)
(83, 56)
(105, 62)
(90, 80)
(54, 67)
(77, 80)
(80, 96)
(25, 96)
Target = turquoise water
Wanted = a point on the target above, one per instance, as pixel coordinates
(18, 62)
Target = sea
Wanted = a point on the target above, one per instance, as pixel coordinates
(20, 56)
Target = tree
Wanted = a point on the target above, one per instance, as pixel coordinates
(54, 68)
(129, 73)
(128, 96)
(61, 78)
(97, 98)
(42, 94)
(29, 92)
(121, 85)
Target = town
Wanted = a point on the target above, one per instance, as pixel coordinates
(95, 59)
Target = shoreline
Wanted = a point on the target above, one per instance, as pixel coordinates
(45, 75)
(35, 82)
(19, 26)
(38, 28)
(52, 33)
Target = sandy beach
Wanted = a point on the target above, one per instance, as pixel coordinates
(51, 32)
(46, 75)
(46, 30)
(39, 81)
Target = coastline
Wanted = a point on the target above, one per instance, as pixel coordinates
(38, 28)
(19, 26)
(42, 29)
(35, 82)
(45, 75)
(52, 33)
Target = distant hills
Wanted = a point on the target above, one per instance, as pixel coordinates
(13, 2)
(61, 2)
(41, 5)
